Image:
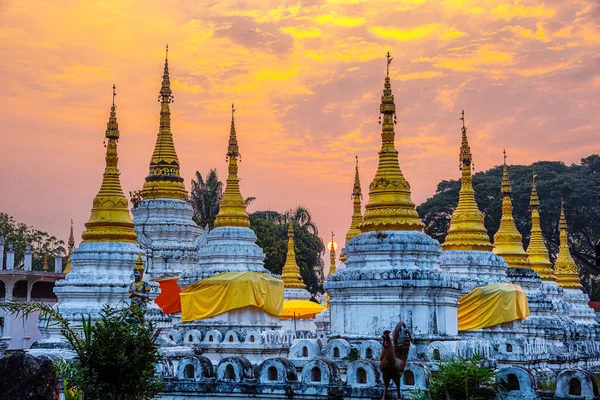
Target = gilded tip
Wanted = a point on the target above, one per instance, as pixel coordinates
(389, 61)
(534, 200)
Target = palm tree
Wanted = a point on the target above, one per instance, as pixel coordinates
(205, 197)
(302, 216)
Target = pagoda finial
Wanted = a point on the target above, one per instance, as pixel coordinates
(166, 95)
(332, 268)
(290, 274)
(537, 251)
(114, 94)
(508, 241)
(71, 244)
(467, 231)
(164, 180)
(232, 211)
(505, 188)
(389, 61)
(565, 268)
(110, 220)
(357, 212)
(534, 200)
(389, 206)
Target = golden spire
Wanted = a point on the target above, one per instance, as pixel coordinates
(232, 208)
(290, 275)
(357, 213)
(565, 269)
(508, 242)
(110, 220)
(71, 244)
(45, 264)
(389, 206)
(467, 231)
(538, 252)
(332, 268)
(139, 264)
(164, 180)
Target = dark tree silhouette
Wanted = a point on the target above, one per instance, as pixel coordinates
(578, 185)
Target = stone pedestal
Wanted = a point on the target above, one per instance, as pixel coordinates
(166, 227)
(476, 268)
(392, 276)
(580, 310)
(227, 249)
(101, 273)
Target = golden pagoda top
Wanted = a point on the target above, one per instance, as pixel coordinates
(539, 259)
(565, 268)
(110, 220)
(357, 213)
(164, 180)
(232, 208)
(508, 242)
(389, 206)
(290, 275)
(71, 244)
(467, 231)
(332, 268)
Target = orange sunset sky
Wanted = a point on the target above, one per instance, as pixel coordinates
(306, 79)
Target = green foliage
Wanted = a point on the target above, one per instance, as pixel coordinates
(205, 196)
(578, 184)
(270, 228)
(462, 378)
(547, 385)
(42, 244)
(115, 360)
(353, 355)
(418, 394)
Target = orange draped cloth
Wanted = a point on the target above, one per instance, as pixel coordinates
(168, 299)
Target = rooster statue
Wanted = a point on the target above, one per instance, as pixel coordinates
(393, 356)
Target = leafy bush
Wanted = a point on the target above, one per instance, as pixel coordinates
(462, 378)
(116, 360)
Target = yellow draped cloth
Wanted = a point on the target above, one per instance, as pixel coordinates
(229, 291)
(300, 309)
(491, 305)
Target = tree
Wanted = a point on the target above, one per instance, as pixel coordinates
(270, 228)
(578, 185)
(116, 360)
(205, 196)
(42, 244)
